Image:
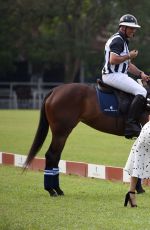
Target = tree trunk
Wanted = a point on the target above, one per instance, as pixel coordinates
(72, 67)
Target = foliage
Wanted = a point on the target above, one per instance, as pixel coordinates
(44, 32)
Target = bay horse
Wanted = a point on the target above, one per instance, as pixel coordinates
(62, 109)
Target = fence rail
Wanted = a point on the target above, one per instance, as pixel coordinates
(24, 95)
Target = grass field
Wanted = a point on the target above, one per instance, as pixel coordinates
(88, 204)
(17, 129)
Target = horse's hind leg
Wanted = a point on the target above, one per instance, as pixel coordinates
(51, 172)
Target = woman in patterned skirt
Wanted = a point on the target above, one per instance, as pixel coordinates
(138, 163)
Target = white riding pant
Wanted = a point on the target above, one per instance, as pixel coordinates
(125, 83)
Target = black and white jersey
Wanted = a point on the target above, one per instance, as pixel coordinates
(117, 44)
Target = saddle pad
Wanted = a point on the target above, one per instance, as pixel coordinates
(108, 103)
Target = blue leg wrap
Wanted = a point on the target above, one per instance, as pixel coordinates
(51, 178)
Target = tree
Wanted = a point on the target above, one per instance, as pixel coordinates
(48, 32)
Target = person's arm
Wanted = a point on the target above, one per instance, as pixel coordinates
(137, 72)
(116, 48)
(115, 59)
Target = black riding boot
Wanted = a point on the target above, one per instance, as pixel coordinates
(133, 127)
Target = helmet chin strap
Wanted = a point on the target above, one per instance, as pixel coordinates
(125, 32)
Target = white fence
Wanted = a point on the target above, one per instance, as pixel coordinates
(24, 95)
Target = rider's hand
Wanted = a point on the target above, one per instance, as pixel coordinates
(133, 54)
(144, 76)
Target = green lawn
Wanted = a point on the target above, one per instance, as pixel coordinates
(17, 129)
(87, 204)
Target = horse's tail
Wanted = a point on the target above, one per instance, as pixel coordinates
(40, 135)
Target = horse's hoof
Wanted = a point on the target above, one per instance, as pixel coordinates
(59, 192)
(53, 193)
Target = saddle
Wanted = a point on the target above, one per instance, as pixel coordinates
(112, 101)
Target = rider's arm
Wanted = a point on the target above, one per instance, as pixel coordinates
(116, 59)
(116, 48)
(137, 72)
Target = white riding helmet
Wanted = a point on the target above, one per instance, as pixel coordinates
(129, 20)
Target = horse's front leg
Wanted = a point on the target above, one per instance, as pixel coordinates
(51, 172)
